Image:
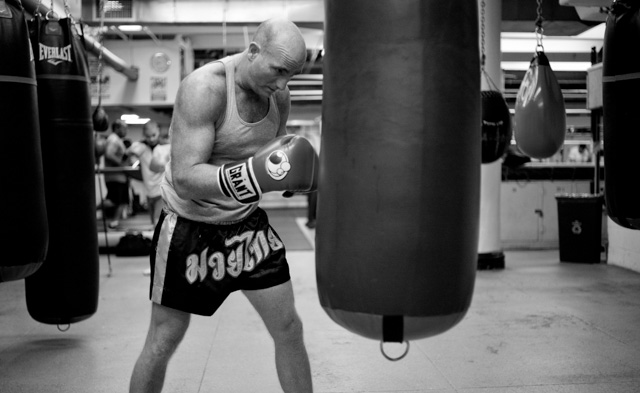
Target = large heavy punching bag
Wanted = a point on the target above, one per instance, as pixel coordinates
(398, 203)
(540, 116)
(65, 289)
(24, 233)
(621, 113)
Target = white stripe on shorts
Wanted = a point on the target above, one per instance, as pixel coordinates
(162, 254)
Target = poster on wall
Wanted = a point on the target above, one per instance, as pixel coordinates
(105, 80)
(158, 88)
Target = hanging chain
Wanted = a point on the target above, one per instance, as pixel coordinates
(482, 4)
(37, 13)
(52, 12)
(490, 82)
(539, 30)
(67, 11)
(100, 35)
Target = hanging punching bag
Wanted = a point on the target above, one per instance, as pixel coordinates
(621, 114)
(398, 203)
(65, 288)
(100, 119)
(540, 117)
(24, 232)
(496, 126)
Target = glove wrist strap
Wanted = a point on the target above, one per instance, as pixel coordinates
(238, 181)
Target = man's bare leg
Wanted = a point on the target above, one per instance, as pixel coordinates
(277, 309)
(166, 331)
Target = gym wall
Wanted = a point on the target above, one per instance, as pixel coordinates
(161, 67)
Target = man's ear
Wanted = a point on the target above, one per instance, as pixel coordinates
(254, 50)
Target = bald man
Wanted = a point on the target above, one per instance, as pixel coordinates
(206, 243)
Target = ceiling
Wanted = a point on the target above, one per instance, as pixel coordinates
(208, 17)
(218, 27)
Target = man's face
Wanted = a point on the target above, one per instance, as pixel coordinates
(273, 69)
(151, 135)
(121, 130)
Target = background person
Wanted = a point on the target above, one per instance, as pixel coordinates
(152, 159)
(116, 182)
(579, 153)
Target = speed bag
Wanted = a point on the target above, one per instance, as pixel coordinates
(399, 186)
(621, 114)
(24, 232)
(65, 288)
(540, 117)
(496, 126)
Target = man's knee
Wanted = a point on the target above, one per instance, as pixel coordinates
(167, 330)
(289, 329)
(162, 348)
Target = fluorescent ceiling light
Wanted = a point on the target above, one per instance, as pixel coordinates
(555, 65)
(594, 32)
(138, 121)
(130, 27)
(134, 119)
(527, 43)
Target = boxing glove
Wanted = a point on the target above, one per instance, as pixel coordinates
(287, 163)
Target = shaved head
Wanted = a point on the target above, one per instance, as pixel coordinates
(277, 34)
(276, 54)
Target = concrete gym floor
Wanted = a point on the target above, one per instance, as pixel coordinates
(537, 326)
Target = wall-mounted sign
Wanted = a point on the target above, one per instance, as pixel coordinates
(158, 88)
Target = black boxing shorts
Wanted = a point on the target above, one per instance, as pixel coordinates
(195, 265)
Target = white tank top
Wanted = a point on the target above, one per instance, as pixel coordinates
(235, 140)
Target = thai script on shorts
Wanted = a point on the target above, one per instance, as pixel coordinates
(243, 253)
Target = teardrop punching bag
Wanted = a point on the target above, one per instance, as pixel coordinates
(398, 203)
(621, 114)
(100, 119)
(540, 117)
(24, 233)
(496, 126)
(65, 288)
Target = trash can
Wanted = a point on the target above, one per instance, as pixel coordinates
(580, 227)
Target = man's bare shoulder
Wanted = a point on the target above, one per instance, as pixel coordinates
(205, 87)
(208, 79)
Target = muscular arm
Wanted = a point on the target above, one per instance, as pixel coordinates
(198, 104)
